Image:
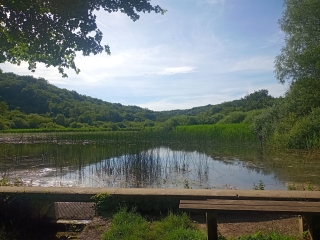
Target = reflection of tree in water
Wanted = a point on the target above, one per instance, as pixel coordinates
(158, 167)
(144, 165)
(133, 170)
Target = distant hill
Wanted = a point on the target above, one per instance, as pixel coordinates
(27, 102)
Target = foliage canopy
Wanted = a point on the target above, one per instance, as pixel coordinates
(300, 57)
(52, 32)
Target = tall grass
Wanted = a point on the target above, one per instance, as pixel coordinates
(218, 133)
(238, 134)
(130, 225)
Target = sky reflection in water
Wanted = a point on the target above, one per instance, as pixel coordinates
(159, 167)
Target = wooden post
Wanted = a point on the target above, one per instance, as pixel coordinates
(314, 227)
(303, 225)
(212, 225)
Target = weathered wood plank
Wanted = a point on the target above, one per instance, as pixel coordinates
(238, 208)
(203, 194)
(263, 202)
(251, 202)
(256, 206)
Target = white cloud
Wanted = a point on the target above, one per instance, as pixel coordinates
(254, 63)
(177, 70)
(184, 102)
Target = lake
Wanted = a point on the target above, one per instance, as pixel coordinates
(153, 164)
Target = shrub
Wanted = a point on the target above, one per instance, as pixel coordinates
(233, 117)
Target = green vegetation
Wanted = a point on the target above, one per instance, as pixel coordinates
(131, 225)
(270, 236)
(4, 181)
(27, 104)
(260, 186)
(289, 122)
(302, 187)
(293, 122)
(217, 133)
(104, 203)
(57, 33)
(299, 58)
(33, 105)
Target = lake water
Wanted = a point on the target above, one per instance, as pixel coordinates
(132, 166)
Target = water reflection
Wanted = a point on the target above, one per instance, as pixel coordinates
(135, 167)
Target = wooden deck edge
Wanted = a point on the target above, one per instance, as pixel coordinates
(196, 194)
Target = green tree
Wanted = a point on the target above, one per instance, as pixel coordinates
(302, 97)
(60, 120)
(3, 124)
(257, 100)
(233, 117)
(52, 32)
(3, 108)
(35, 120)
(300, 57)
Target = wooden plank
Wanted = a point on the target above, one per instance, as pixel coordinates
(264, 202)
(61, 194)
(279, 210)
(259, 206)
(251, 202)
(240, 206)
(313, 206)
(296, 209)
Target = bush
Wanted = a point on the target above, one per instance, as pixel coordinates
(3, 124)
(216, 118)
(303, 132)
(104, 203)
(233, 117)
(250, 116)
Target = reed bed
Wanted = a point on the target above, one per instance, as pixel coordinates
(237, 134)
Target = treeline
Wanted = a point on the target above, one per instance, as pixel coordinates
(29, 103)
(292, 121)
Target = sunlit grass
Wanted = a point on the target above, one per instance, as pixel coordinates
(216, 133)
(130, 225)
(269, 236)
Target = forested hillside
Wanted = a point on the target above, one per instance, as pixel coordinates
(26, 102)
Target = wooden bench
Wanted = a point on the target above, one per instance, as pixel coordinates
(310, 211)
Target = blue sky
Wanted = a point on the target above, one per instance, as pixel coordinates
(199, 52)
